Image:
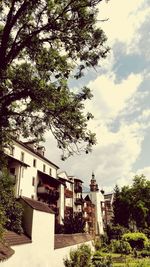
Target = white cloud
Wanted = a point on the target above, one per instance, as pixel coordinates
(110, 98)
(116, 152)
(125, 18)
(145, 171)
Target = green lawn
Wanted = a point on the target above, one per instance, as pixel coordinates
(127, 261)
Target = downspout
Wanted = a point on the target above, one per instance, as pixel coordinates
(19, 178)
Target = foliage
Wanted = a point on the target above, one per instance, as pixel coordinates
(42, 45)
(132, 204)
(119, 246)
(2, 221)
(10, 210)
(145, 253)
(80, 257)
(115, 231)
(146, 231)
(136, 240)
(74, 223)
(98, 261)
(97, 244)
(147, 245)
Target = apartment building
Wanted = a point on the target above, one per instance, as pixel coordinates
(35, 176)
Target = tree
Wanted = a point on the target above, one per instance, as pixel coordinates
(74, 223)
(41, 43)
(10, 209)
(132, 204)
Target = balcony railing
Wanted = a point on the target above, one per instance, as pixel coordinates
(78, 189)
(45, 192)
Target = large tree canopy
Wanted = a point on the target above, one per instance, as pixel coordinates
(132, 204)
(41, 43)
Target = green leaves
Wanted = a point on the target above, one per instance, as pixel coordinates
(132, 204)
(10, 210)
(42, 45)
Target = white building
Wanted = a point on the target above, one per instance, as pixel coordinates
(35, 175)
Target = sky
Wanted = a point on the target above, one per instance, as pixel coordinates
(121, 102)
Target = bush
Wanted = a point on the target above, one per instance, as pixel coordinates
(80, 257)
(144, 253)
(147, 245)
(136, 240)
(11, 210)
(98, 261)
(119, 246)
(115, 232)
(97, 244)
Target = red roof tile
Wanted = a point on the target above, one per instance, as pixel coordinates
(37, 205)
(12, 238)
(5, 252)
(66, 240)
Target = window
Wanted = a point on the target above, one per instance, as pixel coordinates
(33, 181)
(44, 168)
(12, 149)
(50, 171)
(34, 162)
(22, 156)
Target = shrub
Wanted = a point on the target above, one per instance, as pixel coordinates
(80, 257)
(11, 210)
(147, 245)
(136, 240)
(97, 244)
(119, 246)
(144, 253)
(101, 261)
(115, 232)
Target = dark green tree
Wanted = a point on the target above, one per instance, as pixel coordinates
(10, 209)
(74, 223)
(41, 43)
(132, 204)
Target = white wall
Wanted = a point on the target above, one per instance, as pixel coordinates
(61, 203)
(96, 198)
(30, 255)
(43, 230)
(25, 175)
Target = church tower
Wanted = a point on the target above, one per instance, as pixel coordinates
(97, 197)
(93, 184)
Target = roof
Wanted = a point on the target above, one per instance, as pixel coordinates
(65, 180)
(79, 180)
(12, 238)
(19, 161)
(109, 197)
(5, 252)
(87, 198)
(37, 205)
(35, 152)
(66, 240)
(50, 178)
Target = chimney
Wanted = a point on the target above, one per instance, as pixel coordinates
(41, 150)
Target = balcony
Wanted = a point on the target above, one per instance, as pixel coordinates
(78, 189)
(47, 192)
(68, 193)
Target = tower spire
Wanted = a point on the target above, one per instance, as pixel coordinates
(93, 184)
